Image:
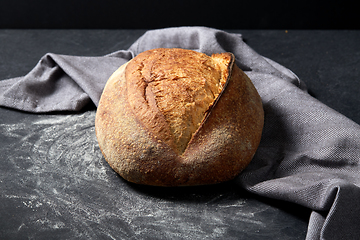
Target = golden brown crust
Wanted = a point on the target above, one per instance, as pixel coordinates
(219, 149)
(171, 89)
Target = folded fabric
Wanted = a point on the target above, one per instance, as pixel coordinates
(309, 153)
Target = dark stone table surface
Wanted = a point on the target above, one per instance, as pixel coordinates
(55, 184)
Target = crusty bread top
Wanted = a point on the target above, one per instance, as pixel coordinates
(170, 91)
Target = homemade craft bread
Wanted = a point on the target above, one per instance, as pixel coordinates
(176, 117)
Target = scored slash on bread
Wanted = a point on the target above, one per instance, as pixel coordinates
(170, 90)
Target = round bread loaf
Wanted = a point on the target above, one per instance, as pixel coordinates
(176, 117)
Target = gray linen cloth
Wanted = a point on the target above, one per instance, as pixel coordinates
(309, 153)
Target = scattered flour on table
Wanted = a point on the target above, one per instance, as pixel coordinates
(63, 144)
(59, 180)
(52, 162)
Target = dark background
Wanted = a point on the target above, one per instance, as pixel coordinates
(150, 14)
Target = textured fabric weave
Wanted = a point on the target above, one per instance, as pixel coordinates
(309, 153)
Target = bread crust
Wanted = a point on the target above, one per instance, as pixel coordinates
(139, 146)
